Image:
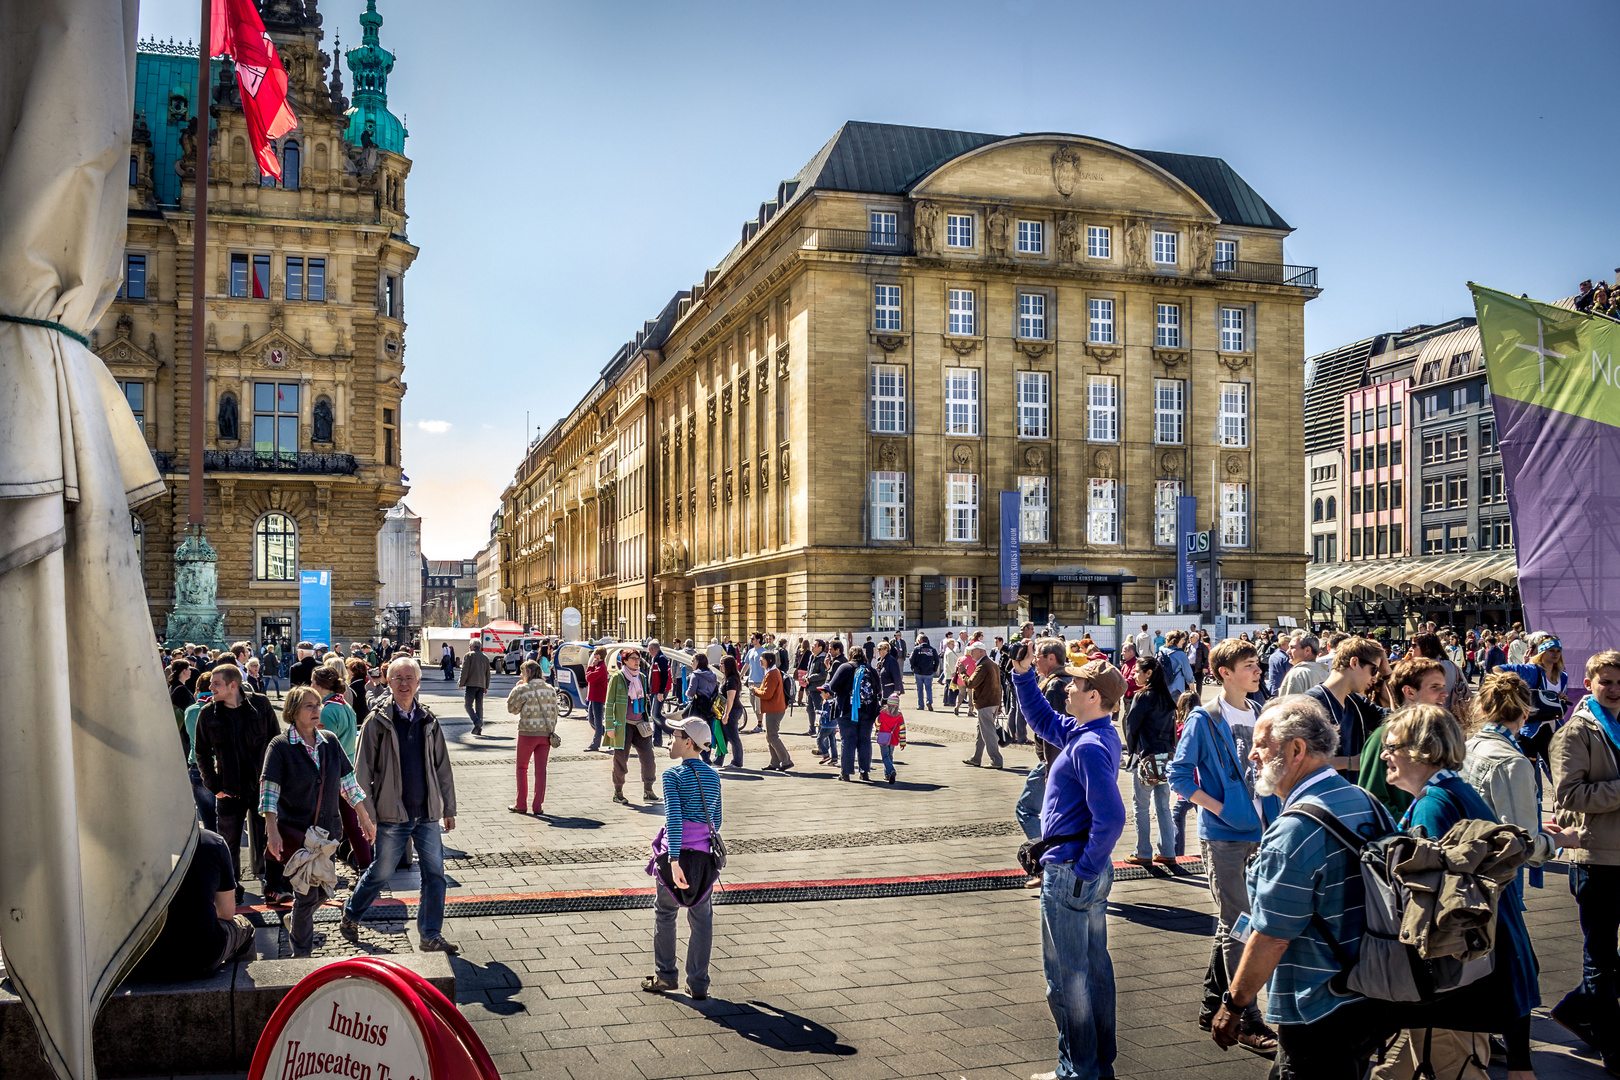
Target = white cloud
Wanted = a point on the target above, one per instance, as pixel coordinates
(434, 427)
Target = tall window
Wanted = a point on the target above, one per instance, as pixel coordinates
(1431, 406)
(888, 603)
(1456, 445)
(1101, 330)
(250, 276)
(1099, 242)
(1034, 405)
(962, 401)
(1034, 509)
(888, 506)
(1491, 489)
(1394, 414)
(959, 230)
(885, 229)
(888, 383)
(1226, 255)
(134, 286)
(306, 287)
(1167, 326)
(1164, 248)
(886, 307)
(1102, 408)
(1487, 438)
(1165, 494)
(275, 549)
(1168, 398)
(1032, 316)
(1164, 596)
(135, 394)
(1457, 491)
(1235, 599)
(1234, 414)
(275, 420)
(961, 506)
(1233, 338)
(390, 435)
(291, 158)
(1459, 398)
(1102, 512)
(960, 306)
(1434, 539)
(1234, 515)
(1031, 237)
(962, 602)
(1434, 493)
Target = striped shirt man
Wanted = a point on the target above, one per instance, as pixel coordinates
(691, 793)
(1300, 870)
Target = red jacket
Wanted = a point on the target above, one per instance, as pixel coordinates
(596, 683)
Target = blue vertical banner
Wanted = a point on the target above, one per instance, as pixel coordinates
(315, 606)
(1010, 569)
(1186, 526)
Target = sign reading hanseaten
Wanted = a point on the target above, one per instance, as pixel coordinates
(1555, 392)
(367, 1019)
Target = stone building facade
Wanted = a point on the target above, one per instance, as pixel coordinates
(305, 335)
(922, 319)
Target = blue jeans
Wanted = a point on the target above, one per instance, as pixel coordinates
(1079, 971)
(925, 689)
(1180, 816)
(596, 712)
(389, 849)
(475, 705)
(887, 753)
(857, 740)
(1159, 796)
(826, 739)
(1028, 810)
(204, 799)
(272, 682)
(1597, 892)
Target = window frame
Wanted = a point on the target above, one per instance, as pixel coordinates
(876, 400)
(887, 518)
(962, 508)
(1028, 407)
(1226, 265)
(889, 602)
(1235, 515)
(962, 601)
(262, 547)
(125, 386)
(1166, 242)
(1102, 511)
(1234, 423)
(965, 397)
(961, 312)
(882, 228)
(954, 223)
(1099, 242)
(1102, 416)
(1165, 516)
(1100, 314)
(1166, 332)
(1030, 319)
(1163, 415)
(1031, 237)
(1234, 321)
(886, 317)
(1035, 509)
(126, 288)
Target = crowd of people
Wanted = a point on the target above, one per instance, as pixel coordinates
(1600, 299)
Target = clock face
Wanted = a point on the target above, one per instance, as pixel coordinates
(276, 357)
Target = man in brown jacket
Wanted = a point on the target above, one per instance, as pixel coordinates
(1586, 772)
(404, 769)
(985, 686)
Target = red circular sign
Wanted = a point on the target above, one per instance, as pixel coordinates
(367, 1019)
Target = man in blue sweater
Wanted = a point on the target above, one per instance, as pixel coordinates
(1209, 770)
(1082, 816)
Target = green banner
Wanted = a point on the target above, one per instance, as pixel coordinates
(1549, 356)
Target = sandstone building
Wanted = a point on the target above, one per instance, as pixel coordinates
(922, 319)
(305, 335)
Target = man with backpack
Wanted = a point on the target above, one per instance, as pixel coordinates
(1210, 770)
(1301, 882)
(924, 662)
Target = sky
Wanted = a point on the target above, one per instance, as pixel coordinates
(576, 164)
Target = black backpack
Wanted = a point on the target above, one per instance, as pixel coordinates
(869, 684)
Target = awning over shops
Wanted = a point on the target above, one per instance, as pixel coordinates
(1472, 571)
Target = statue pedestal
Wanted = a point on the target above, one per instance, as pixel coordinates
(195, 618)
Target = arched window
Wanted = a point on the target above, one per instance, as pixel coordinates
(275, 549)
(1316, 511)
(290, 160)
(1332, 509)
(134, 170)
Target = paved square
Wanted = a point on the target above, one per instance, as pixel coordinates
(944, 984)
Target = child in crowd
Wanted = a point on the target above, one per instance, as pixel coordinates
(891, 734)
(827, 732)
(1185, 704)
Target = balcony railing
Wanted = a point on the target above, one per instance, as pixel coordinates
(1303, 277)
(856, 240)
(249, 460)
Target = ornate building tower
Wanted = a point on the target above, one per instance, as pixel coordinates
(305, 336)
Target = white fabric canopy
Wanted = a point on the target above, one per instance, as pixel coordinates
(96, 816)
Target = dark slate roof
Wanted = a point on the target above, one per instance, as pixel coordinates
(1333, 374)
(887, 159)
(658, 329)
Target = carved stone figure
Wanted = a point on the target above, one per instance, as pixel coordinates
(1066, 170)
(925, 219)
(1136, 245)
(1200, 245)
(1068, 237)
(323, 420)
(996, 230)
(226, 419)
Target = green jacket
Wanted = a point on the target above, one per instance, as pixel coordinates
(618, 708)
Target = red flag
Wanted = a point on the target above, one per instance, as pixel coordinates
(238, 32)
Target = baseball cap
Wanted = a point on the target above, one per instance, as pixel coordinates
(979, 645)
(1102, 677)
(693, 727)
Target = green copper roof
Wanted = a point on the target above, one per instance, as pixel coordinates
(159, 77)
(369, 119)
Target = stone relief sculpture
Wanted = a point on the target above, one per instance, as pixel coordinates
(227, 418)
(1136, 240)
(1066, 170)
(1068, 237)
(996, 230)
(925, 220)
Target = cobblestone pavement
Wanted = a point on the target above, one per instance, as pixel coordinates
(943, 984)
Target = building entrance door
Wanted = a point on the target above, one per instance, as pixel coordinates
(276, 629)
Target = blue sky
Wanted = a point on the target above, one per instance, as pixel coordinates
(576, 164)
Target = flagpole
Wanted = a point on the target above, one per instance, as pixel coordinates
(199, 268)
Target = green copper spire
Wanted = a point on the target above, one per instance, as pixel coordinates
(370, 122)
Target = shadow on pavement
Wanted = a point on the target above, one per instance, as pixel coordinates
(570, 822)
(495, 980)
(762, 1023)
(1164, 917)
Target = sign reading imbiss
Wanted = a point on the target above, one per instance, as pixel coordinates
(368, 1019)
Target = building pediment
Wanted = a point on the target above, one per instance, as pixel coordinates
(1068, 171)
(275, 350)
(123, 354)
